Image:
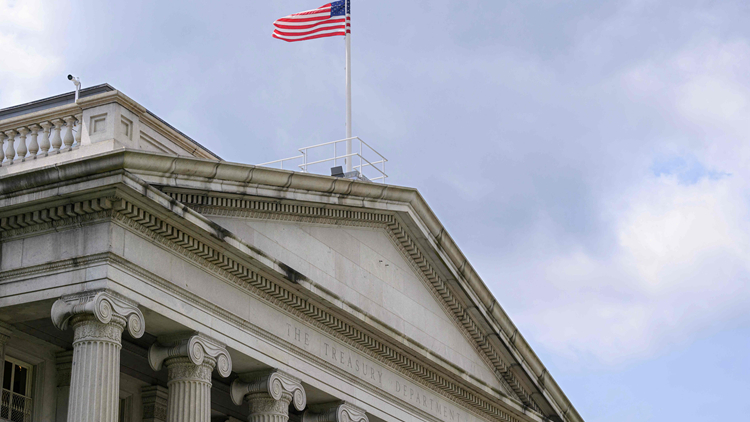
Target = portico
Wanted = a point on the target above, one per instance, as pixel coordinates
(143, 278)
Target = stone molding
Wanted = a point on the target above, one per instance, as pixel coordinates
(136, 219)
(274, 384)
(339, 411)
(103, 305)
(194, 346)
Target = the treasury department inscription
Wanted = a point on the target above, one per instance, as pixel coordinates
(373, 373)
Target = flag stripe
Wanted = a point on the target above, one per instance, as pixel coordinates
(302, 27)
(328, 20)
(309, 37)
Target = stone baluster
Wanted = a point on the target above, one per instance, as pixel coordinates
(44, 143)
(5, 332)
(190, 359)
(339, 411)
(98, 319)
(79, 129)
(33, 144)
(2, 146)
(56, 140)
(154, 403)
(10, 151)
(68, 139)
(268, 394)
(22, 150)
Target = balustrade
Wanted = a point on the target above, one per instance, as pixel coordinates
(40, 139)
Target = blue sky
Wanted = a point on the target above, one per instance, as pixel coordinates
(591, 158)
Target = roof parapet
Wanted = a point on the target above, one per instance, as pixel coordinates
(96, 123)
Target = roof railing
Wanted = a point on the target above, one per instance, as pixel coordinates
(375, 165)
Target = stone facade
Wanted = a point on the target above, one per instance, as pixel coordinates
(144, 279)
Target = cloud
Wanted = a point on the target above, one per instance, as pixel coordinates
(678, 263)
(28, 48)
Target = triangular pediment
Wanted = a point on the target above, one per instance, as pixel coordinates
(365, 268)
(383, 265)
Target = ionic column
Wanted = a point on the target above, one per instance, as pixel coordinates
(98, 319)
(339, 411)
(269, 394)
(190, 359)
(5, 333)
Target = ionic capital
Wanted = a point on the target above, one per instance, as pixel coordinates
(339, 411)
(103, 305)
(273, 383)
(194, 346)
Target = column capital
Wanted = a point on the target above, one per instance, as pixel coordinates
(194, 346)
(338, 411)
(102, 304)
(273, 383)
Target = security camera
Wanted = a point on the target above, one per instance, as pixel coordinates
(76, 81)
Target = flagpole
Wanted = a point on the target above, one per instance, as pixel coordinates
(348, 91)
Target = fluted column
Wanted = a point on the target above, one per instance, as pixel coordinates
(190, 359)
(339, 411)
(98, 319)
(5, 333)
(269, 394)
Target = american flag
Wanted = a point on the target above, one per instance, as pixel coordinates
(329, 20)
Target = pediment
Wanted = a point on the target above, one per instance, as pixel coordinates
(364, 268)
(310, 238)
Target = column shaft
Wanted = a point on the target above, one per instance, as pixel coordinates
(95, 373)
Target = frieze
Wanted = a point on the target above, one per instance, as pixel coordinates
(373, 373)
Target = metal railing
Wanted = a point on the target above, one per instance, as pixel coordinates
(15, 407)
(364, 149)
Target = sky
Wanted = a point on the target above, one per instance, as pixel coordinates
(589, 157)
